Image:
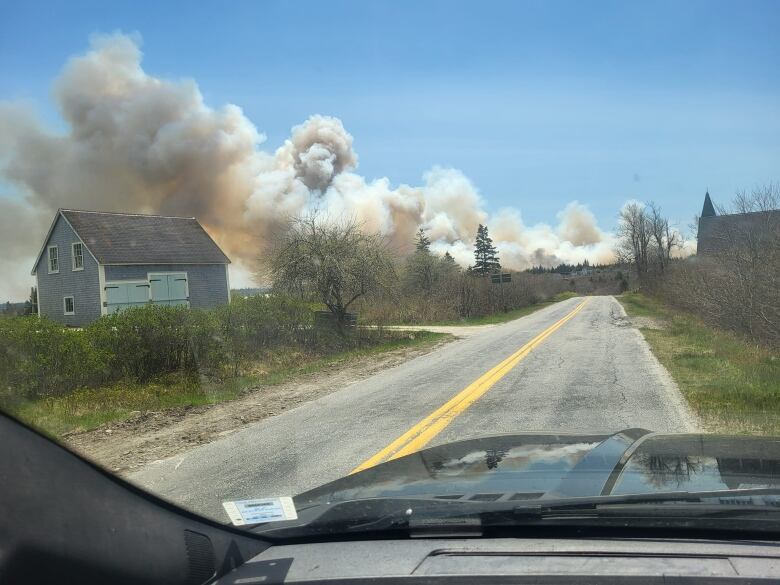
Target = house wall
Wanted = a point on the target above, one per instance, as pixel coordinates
(721, 232)
(208, 285)
(82, 284)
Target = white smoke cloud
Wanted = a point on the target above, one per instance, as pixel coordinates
(578, 225)
(139, 143)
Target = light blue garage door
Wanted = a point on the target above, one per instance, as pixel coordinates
(121, 295)
(169, 289)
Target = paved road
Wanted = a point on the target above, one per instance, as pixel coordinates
(594, 372)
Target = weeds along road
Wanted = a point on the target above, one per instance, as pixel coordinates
(576, 366)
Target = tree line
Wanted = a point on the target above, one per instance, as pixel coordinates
(349, 269)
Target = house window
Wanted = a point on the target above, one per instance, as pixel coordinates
(54, 259)
(77, 256)
(69, 305)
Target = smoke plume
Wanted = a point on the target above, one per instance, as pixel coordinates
(139, 143)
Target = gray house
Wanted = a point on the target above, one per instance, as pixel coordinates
(720, 233)
(94, 263)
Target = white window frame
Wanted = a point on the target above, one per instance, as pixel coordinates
(48, 258)
(73, 266)
(65, 305)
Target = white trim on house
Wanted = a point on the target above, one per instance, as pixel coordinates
(102, 285)
(37, 294)
(227, 281)
(45, 241)
(70, 225)
(65, 305)
(73, 266)
(48, 235)
(49, 258)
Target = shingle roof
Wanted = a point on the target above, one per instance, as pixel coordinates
(708, 210)
(123, 238)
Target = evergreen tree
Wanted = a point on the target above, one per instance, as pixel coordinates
(31, 307)
(485, 253)
(448, 259)
(422, 242)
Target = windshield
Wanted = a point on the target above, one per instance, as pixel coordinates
(274, 259)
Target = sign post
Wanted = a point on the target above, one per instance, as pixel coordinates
(500, 279)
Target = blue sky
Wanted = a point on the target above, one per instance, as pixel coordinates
(539, 103)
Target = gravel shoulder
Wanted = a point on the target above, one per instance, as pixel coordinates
(151, 436)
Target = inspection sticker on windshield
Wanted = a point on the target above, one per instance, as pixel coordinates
(242, 512)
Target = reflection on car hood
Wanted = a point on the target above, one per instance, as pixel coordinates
(530, 466)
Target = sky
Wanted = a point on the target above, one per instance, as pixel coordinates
(537, 103)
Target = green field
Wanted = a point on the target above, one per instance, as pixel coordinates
(732, 384)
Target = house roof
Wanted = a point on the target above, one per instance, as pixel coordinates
(127, 238)
(708, 210)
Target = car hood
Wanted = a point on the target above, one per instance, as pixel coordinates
(529, 466)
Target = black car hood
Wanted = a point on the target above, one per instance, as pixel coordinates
(530, 466)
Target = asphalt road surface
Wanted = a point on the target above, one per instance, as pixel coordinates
(576, 366)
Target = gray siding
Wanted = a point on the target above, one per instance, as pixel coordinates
(207, 283)
(720, 233)
(82, 284)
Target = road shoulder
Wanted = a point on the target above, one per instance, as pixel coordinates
(125, 446)
(675, 395)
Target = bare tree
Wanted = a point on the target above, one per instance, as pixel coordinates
(761, 198)
(633, 237)
(664, 238)
(335, 261)
(646, 240)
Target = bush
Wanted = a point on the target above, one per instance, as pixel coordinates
(251, 325)
(732, 296)
(149, 341)
(39, 357)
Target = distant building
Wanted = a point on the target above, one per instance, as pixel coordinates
(93, 263)
(717, 233)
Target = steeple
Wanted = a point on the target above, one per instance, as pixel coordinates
(708, 210)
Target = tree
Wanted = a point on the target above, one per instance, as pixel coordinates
(336, 262)
(31, 306)
(485, 253)
(645, 239)
(448, 259)
(420, 273)
(633, 237)
(664, 239)
(422, 242)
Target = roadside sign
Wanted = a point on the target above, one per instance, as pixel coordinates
(499, 278)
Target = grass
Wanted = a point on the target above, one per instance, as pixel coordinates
(509, 315)
(89, 408)
(732, 384)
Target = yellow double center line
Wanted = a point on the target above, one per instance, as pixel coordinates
(424, 431)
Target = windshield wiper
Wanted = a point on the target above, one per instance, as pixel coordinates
(434, 517)
(665, 500)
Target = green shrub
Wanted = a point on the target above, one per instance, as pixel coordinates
(149, 341)
(251, 325)
(39, 357)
